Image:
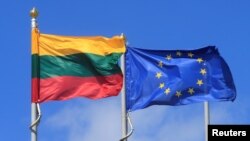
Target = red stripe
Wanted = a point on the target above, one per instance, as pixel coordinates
(34, 89)
(67, 87)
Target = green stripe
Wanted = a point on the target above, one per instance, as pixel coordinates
(35, 65)
(76, 65)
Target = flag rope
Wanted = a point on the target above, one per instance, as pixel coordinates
(37, 121)
(131, 128)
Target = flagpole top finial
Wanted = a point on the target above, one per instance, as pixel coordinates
(33, 12)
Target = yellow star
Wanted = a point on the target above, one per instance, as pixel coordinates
(160, 64)
(178, 53)
(169, 57)
(161, 85)
(190, 54)
(203, 71)
(199, 82)
(178, 93)
(199, 60)
(167, 91)
(191, 90)
(158, 75)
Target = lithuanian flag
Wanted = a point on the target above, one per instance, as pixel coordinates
(65, 67)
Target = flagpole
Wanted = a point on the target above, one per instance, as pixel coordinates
(33, 118)
(207, 118)
(206, 105)
(34, 110)
(123, 100)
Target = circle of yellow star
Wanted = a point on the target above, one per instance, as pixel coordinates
(169, 57)
(190, 54)
(199, 82)
(158, 75)
(191, 90)
(161, 85)
(178, 53)
(200, 60)
(178, 93)
(160, 64)
(167, 91)
(203, 71)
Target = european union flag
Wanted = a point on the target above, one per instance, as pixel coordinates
(176, 77)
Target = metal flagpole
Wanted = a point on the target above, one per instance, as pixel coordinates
(207, 119)
(34, 110)
(123, 99)
(206, 105)
(33, 118)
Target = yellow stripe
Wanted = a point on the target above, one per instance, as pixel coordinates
(55, 45)
(34, 41)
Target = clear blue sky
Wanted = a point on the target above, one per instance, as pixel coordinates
(161, 24)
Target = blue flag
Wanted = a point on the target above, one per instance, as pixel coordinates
(176, 77)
